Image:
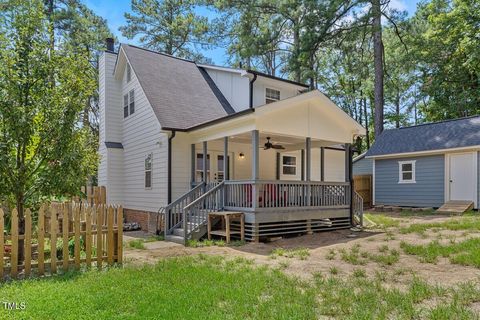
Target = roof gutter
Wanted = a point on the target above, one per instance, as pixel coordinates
(266, 75)
(251, 89)
(169, 182)
(212, 122)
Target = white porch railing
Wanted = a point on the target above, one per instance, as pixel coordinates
(251, 195)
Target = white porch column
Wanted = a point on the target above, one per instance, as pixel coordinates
(205, 162)
(226, 164)
(308, 149)
(348, 147)
(302, 165)
(193, 163)
(322, 164)
(255, 167)
(255, 155)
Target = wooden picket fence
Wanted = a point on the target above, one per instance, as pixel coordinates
(96, 232)
(94, 195)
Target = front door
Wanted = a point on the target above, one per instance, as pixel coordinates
(462, 177)
(215, 167)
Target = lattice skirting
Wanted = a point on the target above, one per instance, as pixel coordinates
(272, 229)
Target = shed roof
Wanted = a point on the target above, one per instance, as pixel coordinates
(457, 133)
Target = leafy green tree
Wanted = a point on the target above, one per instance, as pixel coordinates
(77, 26)
(169, 26)
(44, 150)
(448, 57)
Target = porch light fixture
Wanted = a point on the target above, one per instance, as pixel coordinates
(241, 155)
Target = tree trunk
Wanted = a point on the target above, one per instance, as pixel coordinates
(365, 112)
(378, 63)
(21, 226)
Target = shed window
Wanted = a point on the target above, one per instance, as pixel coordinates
(289, 165)
(271, 95)
(129, 73)
(148, 171)
(406, 172)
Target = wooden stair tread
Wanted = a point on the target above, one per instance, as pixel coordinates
(223, 232)
(456, 206)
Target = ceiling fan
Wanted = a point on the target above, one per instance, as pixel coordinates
(269, 145)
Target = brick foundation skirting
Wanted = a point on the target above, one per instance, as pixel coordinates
(149, 221)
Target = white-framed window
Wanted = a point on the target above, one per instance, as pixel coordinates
(129, 73)
(132, 102)
(125, 105)
(406, 171)
(148, 171)
(289, 165)
(271, 95)
(129, 103)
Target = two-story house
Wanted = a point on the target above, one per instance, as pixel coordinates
(173, 131)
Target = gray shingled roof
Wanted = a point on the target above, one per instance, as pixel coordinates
(448, 134)
(181, 95)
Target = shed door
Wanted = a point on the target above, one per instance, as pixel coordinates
(462, 176)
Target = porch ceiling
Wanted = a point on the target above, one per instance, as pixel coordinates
(290, 143)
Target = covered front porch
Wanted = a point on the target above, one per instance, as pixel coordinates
(288, 170)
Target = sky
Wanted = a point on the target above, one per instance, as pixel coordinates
(113, 11)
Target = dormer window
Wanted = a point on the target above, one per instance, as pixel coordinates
(129, 73)
(271, 95)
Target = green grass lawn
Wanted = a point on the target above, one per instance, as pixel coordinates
(382, 220)
(468, 222)
(359, 297)
(466, 252)
(215, 288)
(184, 288)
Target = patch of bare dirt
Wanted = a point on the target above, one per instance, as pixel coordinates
(321, 245)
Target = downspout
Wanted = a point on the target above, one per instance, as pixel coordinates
(169, 165)
(251, 90)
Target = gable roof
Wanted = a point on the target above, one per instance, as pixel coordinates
(180, 93)
(457, 133)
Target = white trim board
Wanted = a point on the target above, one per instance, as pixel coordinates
(474, 172)
(373, 182)
(425, 153)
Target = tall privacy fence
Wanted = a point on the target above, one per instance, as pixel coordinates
(63, 236)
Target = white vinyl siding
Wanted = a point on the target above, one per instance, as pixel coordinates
(233, 86)
(129, 73)
(142, 136)
(260, 87)
(236, 89)
(110, 129)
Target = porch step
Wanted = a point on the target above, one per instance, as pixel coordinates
(456, 206)
(174, 238)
